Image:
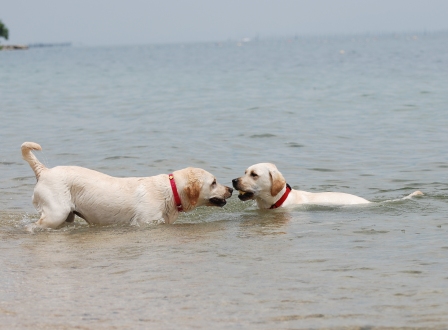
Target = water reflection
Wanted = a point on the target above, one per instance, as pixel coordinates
(266, 222)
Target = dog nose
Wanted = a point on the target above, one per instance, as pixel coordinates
(234, 181)
(230, 190)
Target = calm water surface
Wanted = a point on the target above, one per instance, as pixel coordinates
(364, 115)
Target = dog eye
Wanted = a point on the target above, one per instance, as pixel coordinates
(214, 183)
(253, 174)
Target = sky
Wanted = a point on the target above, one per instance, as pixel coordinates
(115, 22)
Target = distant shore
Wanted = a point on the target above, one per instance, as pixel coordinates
(13, 47)
(22, 47)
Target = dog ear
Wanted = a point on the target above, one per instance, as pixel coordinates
(277, 182)
(193, 188)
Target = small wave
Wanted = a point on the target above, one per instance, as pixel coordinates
(400, 180)
(316, 207)
(370, 232)
(267, 135)
(411, 272)
(23, 178)
(10, 163)
(119, 157)
(317, 169)
(16, 221)
(67, 154)
(294, 145)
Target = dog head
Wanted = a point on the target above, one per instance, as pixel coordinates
(260, 181)
(199, 187)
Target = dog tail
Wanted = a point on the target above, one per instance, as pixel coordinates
(415, 193)
(35, 164)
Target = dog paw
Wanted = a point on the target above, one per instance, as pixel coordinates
(31, 228)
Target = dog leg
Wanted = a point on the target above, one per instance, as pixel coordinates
(52, 218)
(71, 217)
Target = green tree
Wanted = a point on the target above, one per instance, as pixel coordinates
(3, 31)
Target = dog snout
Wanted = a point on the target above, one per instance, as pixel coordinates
(228, 192)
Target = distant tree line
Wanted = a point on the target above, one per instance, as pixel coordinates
(3, 31)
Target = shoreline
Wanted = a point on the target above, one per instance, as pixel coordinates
(38, 45)
(13, 47)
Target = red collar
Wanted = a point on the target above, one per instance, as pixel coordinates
(283, 198)
(175, 193)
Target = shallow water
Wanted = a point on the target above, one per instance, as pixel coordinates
(362, 115)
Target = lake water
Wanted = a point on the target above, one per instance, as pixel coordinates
(366, 115)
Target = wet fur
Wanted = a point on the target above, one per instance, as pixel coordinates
(65, 191)
(266, 185)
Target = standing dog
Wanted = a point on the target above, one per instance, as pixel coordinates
(65, 191)
(264, 183)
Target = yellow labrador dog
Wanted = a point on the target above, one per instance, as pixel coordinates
(264, 183)
(65, 191)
